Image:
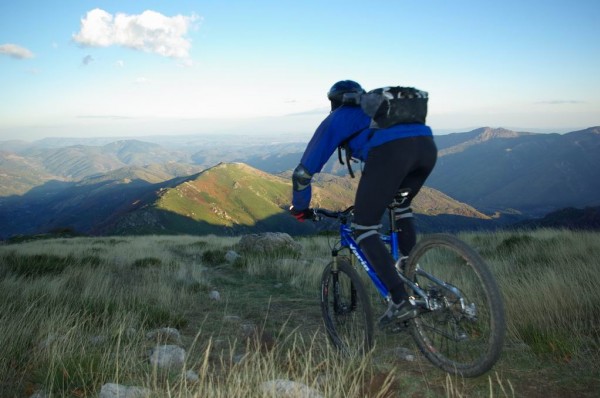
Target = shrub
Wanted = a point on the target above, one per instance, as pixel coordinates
(213, 257)
(36, 264)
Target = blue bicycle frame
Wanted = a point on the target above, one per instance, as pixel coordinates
(347, 240)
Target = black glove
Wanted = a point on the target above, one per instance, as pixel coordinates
(301, 215)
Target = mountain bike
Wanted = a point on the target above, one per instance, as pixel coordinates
(460, 324)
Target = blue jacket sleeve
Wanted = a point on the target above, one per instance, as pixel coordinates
(336, 127)
(320, 147)
(301, 199)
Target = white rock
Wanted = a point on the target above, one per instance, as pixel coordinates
(167, 356)
(214, 295)
(268, 242)
(248, 329)
(111, 390)
(191, 376)
(231, 256)
(288, 389)
(404, 354)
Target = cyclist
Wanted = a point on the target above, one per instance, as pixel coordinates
(398, 157)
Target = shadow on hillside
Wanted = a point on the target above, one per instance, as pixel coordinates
(75, 205)
(164, 222)
(117, 207)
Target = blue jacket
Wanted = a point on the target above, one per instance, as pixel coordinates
(336, 128)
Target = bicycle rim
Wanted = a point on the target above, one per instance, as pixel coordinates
(467, 338)
(346, 310)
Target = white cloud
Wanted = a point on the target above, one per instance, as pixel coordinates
(120, 63)
(186, 63)
(141, 80)
(14, 51)
(149, 31)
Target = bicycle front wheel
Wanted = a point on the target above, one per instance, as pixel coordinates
(464, 333)
(346, 308)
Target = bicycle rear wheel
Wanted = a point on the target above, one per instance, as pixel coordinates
(346, 309)
(463, 338)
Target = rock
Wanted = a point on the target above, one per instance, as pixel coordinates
(248, 329)
(191, 376)
(288, 389)
(168, 357)
(50, 340)
(111, 390)
(214, 295)
(98, 340)
(231, 256)
(269, 242)
(404, 353)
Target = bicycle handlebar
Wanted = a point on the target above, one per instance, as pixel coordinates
(333, 214)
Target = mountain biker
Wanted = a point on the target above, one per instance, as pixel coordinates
(401, 156)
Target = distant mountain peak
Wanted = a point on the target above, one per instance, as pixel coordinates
(489, 133)
(481, 135)
(590, 130)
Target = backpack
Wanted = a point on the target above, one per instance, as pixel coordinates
(387, 107)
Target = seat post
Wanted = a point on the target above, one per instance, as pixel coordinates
(398, 201)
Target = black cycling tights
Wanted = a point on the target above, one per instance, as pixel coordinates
(398, 164)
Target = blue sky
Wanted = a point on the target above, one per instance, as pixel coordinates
(77, 68)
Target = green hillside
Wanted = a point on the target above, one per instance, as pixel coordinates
(228, 195)
(234, 198)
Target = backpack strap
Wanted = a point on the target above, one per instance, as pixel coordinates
(345, 145)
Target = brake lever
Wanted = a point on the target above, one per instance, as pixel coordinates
(316, 216)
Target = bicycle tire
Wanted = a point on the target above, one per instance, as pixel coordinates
(350, 325)
(463, 342)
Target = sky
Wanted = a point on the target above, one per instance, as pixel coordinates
(80, 68)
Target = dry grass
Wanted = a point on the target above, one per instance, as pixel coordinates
(74, 314)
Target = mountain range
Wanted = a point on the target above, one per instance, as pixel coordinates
(484, 178)
(497, 169)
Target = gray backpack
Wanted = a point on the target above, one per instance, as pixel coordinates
(387, 107)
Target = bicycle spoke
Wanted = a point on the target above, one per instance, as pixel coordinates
(464, 331)
(346, 310)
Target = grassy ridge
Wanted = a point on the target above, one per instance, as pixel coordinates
(236, 194)
(74, 314)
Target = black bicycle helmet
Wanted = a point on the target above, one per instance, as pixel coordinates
(336, 93)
